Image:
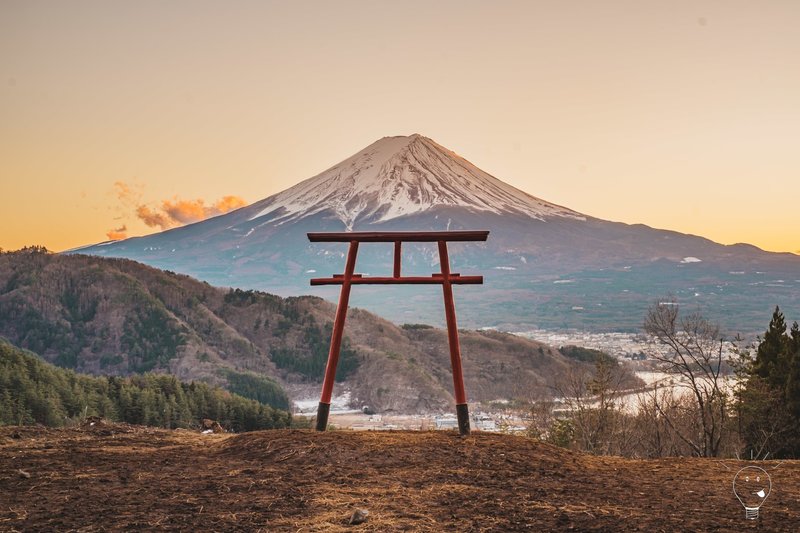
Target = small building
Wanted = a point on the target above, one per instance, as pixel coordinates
(484, 422)
(446, 422)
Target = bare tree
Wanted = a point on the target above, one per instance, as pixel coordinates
(654, 434)
(572, 389)
(663, 414)
(542, 418)
(593, 402)
(693, 351)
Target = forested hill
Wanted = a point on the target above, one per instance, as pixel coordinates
(119, 317)
(35, 392)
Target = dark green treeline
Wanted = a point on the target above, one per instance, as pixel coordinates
(33, 391)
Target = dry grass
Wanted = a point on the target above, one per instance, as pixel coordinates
(119, 477)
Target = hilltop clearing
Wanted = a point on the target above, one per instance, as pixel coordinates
(114, 477)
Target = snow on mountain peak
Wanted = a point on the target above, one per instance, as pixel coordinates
(397, 176)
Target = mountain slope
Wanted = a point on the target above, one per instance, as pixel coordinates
(544, 265)
(112, 316)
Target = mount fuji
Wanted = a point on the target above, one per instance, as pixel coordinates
(545, 266)
(403, 176)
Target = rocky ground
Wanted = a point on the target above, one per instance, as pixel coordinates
(112, 477)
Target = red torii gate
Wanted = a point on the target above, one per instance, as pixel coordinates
(445, 278)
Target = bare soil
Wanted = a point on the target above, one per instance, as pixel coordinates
(118, 477)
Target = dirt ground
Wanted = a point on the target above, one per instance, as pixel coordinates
(119, 477)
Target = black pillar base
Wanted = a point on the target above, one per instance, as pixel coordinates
(462, 411)
(322, 416)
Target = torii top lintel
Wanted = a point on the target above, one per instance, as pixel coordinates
(401, 236)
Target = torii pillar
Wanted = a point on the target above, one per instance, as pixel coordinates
(445, 278)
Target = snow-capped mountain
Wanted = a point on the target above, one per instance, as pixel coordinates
(401, 176)
(544, 265)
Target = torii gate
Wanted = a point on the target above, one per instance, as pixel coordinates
(445, 278)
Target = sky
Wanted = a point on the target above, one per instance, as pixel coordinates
(120, 119)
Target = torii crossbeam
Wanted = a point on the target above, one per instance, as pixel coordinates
(445, 278)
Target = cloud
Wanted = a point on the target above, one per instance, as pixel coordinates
(170, 213)
(118, 233)
(184, 211)
(129, 195)
(229, 203)
(177, 212)
(154, 218)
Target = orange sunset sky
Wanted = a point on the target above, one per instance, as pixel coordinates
(122, 118)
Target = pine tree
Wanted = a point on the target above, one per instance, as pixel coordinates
(793, 376)
(771, 363)
(769, 404)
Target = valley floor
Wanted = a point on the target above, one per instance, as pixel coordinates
(117, 477)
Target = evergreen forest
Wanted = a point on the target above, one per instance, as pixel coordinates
(33, 391)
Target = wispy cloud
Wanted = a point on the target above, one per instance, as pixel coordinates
(128, 194)
(170, 213)
(188, 211)
(177, 212)
(118, 233)
(154, 218)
